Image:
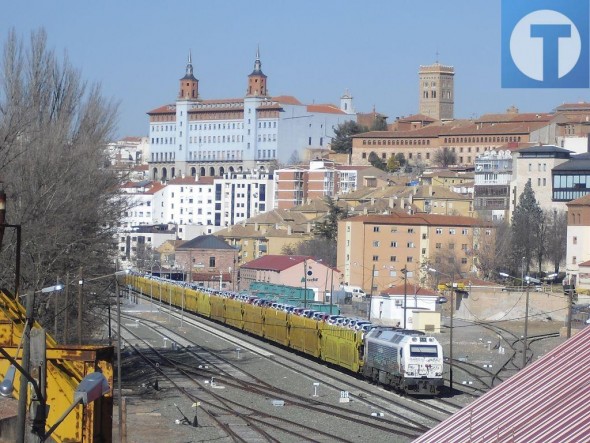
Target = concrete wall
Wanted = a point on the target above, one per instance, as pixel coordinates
(493, 304)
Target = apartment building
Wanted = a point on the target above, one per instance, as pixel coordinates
(578, 239)
(539, 164)
(373, 249)
(211, 137)
(493, 175)
(297, 185)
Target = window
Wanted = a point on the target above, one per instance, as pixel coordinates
(464, 261)
(375, 258)
(411, 244)
(439, 230)
(575, 240)
(438, 245)
(393, 258)
(376, 244)
(211, 262)
(410, 230)
(451, 245)
(409, 259)
(375, 228)
(465, 231)
(394, 229)
(393, 244)
(452, 231)
(574, 260)
(464, 247)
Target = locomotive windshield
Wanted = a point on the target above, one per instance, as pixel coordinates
(423, 351)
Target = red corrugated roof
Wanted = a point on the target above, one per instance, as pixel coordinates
(549, 401)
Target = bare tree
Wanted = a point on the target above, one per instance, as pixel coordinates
(556, 240)
(492, 250)
(445, 157)
(54, 128)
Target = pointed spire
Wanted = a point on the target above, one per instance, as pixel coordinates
(257, 63)
(189, 65)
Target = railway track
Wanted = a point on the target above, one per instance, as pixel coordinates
(385, 403)
(198, 364)
(303, 365)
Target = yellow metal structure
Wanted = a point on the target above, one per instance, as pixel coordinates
(66, 367)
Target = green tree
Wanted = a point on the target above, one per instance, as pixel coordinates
(342, 142)
(379, 123)
(445, 157)
(527, 222)
(376, 161)
(319, 248)
(328, 228)
(401, 159)
(392, 164)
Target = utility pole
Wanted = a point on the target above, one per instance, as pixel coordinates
(569, 311)
(80, 283)
(526, 325)
(451, 334)
(371, 291)
(305, 283)
(66, 308)
(405, 271)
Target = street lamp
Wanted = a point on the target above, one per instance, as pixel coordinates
(26, 361)
(91, 388)
(119, 390)
(452, 277)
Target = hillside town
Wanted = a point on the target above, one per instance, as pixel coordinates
(263, 266)
(261, 173)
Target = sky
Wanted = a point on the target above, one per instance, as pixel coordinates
(313, 50)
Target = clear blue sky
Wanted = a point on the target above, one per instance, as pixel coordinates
(312, 49)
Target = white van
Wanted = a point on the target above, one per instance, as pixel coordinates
(356, 291)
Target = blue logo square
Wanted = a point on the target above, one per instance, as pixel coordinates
(545, 44)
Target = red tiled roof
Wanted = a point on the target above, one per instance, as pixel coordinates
(132, 139)
(325, 109)
(582, 201)
(402, 218)
(514, 117)
(157, 186)
(287, 99)
(585, 264)
(189, 180)
(548, 401)
(166, 109)
(457, 129)
(275, 262)
(417, 118)
(573, 106)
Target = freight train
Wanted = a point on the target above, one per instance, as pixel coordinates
(409, 361)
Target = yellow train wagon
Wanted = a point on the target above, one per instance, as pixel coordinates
(203, 304)
(275, 326)
(177, 296)
(233, 313)
(190, 300)
(253, 319)
(341, 346)
(217, 308)
(304, 335)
